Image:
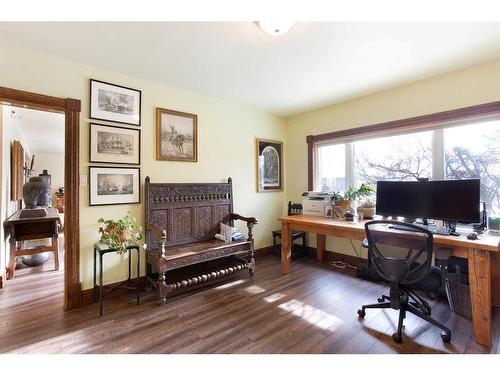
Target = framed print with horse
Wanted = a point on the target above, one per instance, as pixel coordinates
(176, 135)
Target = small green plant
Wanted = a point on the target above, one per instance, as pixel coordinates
(119, 233)
(353, 194)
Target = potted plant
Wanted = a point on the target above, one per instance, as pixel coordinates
(352, 194)
(367, 209)
(119, 233)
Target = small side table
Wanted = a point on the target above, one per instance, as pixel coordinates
(101, 249)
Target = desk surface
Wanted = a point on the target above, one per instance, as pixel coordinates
(486, 241)
(52, 214)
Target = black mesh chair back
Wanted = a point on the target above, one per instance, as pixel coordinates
(403, 259)
(294, 208)
(399, 256)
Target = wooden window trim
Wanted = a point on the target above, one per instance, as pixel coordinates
(479, 112)
(71, 109)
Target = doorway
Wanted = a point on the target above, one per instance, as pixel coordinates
(68, 111)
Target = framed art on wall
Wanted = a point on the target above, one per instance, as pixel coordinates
(114, 144)
(114, 103)
(113, 185)
(269, 165)
(176, 135)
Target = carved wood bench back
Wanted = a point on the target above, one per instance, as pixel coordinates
(188, 212)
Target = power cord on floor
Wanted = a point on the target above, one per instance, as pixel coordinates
(343, 265)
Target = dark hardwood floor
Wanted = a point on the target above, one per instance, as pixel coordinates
(311, 310)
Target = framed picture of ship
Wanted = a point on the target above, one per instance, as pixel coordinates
(114, 185)
(115, 103)
(114, 144)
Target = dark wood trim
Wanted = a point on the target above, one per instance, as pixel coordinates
(264, 251)
(310, 163)
(71, 109)
(459, 115)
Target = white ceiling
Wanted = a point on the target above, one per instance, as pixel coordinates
(43, 131)
(313, 65)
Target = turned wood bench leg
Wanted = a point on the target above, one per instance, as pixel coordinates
(162, 286)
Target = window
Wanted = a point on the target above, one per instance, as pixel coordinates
(401, 157)
(458, 152)
(473, 151)
(331, 171)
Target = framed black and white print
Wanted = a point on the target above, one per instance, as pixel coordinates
(114, 185)
(269, 165)
(114, 144)
(114, 103)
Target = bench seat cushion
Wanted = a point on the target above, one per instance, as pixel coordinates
(197, 252)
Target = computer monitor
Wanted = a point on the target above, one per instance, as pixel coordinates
(450, 200)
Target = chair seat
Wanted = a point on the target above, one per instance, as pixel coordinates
(431, 282)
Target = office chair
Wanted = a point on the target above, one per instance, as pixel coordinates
(403, 259)
(293, 209)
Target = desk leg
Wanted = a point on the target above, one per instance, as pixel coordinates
(286, 248)
(12, 259)
(480, 292)
(320, 246)
(55, 246)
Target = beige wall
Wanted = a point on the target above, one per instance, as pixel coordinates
(458, 89)
(226, 147)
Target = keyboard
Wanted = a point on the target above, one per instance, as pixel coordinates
(434, 229)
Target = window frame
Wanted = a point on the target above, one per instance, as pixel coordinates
(435, 121)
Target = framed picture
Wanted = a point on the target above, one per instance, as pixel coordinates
(269, 165)
(176, 135)
(113, 185)
(114, 144)
(114, 103)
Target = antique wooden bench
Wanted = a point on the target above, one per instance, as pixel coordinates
(181, 222)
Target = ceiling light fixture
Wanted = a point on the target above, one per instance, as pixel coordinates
(276, 28)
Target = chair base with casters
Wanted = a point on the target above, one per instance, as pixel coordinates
(408, 302)
(405, 262)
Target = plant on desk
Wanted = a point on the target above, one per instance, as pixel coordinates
(119, 233)
(351, 194)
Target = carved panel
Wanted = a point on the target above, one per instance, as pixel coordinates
(221, 215)
(159, 218)
(203, 222)
(182, 223)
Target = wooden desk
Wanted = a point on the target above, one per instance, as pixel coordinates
(478, 253)
(23, 229)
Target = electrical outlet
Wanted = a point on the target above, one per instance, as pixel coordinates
(83, 180)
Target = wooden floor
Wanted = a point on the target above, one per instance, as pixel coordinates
(311, 310)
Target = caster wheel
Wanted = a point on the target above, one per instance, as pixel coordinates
(446, 336)
(380, 300)
(361, 313)
(398, 339)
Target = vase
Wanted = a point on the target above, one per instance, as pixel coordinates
(36, 193)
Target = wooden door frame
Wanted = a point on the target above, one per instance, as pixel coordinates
(71, 109)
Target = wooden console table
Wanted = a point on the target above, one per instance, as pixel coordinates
(23, 229)
(478, 253)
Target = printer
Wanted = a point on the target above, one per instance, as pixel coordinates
(316, 203)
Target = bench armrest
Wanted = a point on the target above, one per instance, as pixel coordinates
(243, 218)
(251, 221)
(161, 234)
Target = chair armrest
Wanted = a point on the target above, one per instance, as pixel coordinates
(243, 218)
